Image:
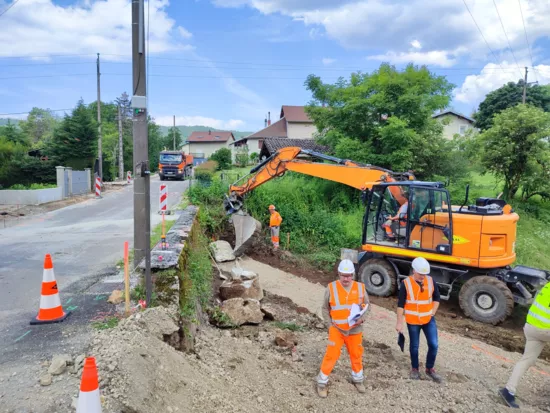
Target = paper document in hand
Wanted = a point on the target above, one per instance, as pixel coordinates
(356, 313)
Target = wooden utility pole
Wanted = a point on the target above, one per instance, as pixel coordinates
(525, 86)
(99, 149)
(120, 147)
(142, 184)
(174, 132)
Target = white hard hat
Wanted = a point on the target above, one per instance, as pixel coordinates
(421, 265)
(346, 267)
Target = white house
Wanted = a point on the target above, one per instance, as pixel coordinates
(454, 123)
(203, 144)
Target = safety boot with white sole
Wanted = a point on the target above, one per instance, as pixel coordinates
(322, 391)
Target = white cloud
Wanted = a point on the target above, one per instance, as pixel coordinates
(443, 26)
(231, 124)
(186, 34)
(416, 44)
(475, 87)
(436, 57)
(328, 61)
(40, 27)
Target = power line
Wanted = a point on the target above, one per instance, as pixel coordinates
(506, 35)
(480, 32)
(9, 7)
(527, 40)
(26, 113)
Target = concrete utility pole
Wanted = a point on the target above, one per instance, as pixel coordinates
(99, 149)
(174, 132)
(142, 191)
(120, 147)
(525, 86)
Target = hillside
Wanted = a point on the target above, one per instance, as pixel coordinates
(186, 130)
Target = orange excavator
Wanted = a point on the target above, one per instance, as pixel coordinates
(470, 247)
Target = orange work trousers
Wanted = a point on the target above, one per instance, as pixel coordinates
(354, 345)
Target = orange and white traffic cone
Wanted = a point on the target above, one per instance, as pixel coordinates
(50, 310)
(89, 400)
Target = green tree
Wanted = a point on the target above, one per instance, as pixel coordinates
(13, 134)
(511, 94)
(383, 118)
(39, 127)
(10, 154)
(74, 143)
(516, 148)
(223, 157)
(156, 140)
(168, 142)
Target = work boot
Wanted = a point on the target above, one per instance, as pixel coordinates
(322, 391)
(433, 375)
(415, 374)
(508, 397)
(360, 387)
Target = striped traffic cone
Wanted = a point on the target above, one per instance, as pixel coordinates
(89, 400)
(50, 310)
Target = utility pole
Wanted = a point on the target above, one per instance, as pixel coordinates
(174, 132)
(525, 86)
(120, 148)
(99, 149)
(142, 190)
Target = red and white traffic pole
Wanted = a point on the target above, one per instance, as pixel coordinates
(163, 201)
(98, 187)
(128, 177)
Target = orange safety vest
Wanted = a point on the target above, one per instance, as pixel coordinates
(419, 304)
(275, 219)
(341, 302)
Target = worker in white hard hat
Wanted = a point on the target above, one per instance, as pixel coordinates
(340, 297)
(418, 302)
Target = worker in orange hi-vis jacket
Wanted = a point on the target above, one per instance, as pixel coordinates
(340, 297)
(274, 223)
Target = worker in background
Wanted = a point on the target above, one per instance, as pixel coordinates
(274, 223)
(339, 297)
(537, 334)
(417, 304)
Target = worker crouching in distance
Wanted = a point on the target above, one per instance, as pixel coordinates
(274, 223)
(339, 297)
(417, 304)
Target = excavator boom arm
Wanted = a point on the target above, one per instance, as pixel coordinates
(343, 171)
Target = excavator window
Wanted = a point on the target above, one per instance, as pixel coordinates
(408, 216)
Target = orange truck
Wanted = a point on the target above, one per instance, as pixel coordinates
(175, 165)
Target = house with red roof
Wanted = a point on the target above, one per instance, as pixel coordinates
(202, 144)
(293, 123)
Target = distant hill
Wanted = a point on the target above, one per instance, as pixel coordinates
(187, 130)
(4, 121)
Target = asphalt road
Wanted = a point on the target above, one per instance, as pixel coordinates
(85, 241)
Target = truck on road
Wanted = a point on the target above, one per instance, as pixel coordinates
(175, 164)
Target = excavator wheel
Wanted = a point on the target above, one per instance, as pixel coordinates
(486, 299)
(379, 277)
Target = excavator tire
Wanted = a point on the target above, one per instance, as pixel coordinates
(379, 277)
(486, 299)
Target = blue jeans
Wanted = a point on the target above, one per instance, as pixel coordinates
(430, 331)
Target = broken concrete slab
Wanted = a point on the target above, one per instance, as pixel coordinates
(242, 288)
(238, 273)
(222, 251)
(247, 230)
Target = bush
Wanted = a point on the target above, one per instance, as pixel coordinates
(223, 157)
(204, 175)
(18, 187)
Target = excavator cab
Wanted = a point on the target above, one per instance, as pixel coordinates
(410, 215)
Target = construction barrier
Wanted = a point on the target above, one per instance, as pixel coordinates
(163, 201)
(98, 187)
(89, 400)
(50, 310)
(129, 177)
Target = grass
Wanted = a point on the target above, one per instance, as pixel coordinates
(157, 231)
(106, 323)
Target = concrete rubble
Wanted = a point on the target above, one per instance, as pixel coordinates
(222, 251)
(243, 311)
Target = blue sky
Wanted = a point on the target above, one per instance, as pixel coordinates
(226, 63)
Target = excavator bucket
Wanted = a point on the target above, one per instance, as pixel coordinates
(247, 230)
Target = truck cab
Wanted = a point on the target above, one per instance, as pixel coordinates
(175, 165)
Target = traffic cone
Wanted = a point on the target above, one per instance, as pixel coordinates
(50, 310)
(89, 400)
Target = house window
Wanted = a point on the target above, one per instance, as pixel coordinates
(462, 129)
(260, 142)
